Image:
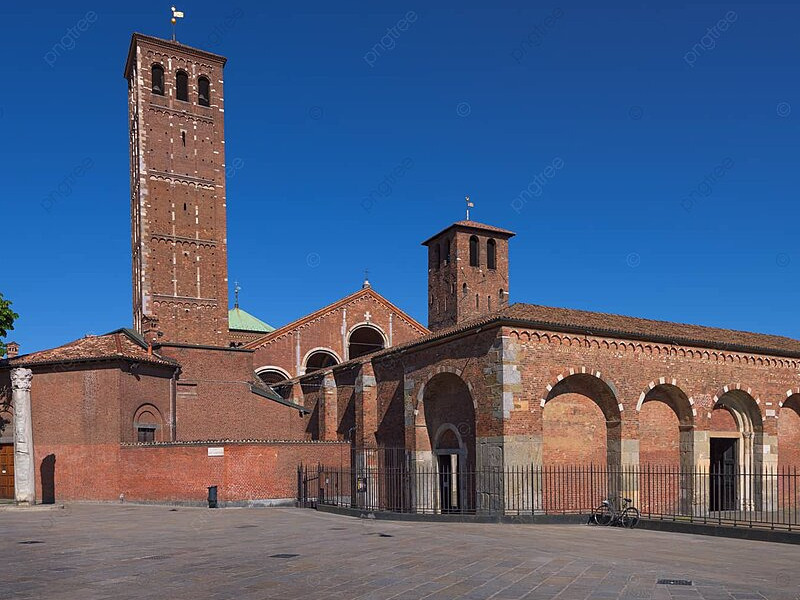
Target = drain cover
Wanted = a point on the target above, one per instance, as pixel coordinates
(283, 555)
(674, 582)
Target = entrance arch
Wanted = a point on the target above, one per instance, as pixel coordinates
(666, 426)
(578, 405)
(666, 448)
(736, 452)
(449, 412)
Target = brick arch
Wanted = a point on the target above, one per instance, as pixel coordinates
(679, 401)
(789, 397)
(438, 371)
(583, 371)
(743, 395)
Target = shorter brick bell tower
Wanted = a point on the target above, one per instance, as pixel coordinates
(467, 273)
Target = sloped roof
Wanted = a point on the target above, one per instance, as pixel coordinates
(620, 326)
(473, 225)
(119, 344)
(367, 291)
(241, 320)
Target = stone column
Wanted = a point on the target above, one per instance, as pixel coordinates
(366, 463)
(329, 410)
(24, 463)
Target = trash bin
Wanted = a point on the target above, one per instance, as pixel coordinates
(212, 496)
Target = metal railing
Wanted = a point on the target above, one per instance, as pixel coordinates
(735, 497)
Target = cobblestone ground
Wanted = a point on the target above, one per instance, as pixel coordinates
(115, 551)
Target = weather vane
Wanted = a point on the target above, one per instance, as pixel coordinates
(176, 14)
(470, 204)
(236, 290)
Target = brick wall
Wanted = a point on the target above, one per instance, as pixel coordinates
(176, 472)
(289, 347)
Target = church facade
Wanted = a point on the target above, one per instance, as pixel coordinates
(195, 394)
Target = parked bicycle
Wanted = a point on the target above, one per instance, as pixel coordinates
(608, 514)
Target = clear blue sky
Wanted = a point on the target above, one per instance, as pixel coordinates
(636, 102)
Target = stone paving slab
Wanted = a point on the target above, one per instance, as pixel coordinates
(151, 552)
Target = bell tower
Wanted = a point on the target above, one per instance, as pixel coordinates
(177, 148)
(467, 273)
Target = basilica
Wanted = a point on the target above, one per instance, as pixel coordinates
(193, 394)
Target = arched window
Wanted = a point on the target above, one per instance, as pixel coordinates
(491, 254)
(464, 289)
(473, 251)
(182, 86)
(363, 340)
(436, 258)
(320, 359)
(204, 91)
(272, 375)
(147, 424)
(158, 79)
(447, 252)
(501, 296)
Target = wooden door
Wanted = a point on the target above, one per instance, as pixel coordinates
(7, 471)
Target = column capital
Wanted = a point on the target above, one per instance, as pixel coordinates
(21, 379)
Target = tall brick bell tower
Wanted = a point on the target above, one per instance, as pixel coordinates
(467, 273)
(177, 143)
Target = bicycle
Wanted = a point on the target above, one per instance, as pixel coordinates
(607, 514)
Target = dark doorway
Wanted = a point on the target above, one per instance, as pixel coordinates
(723, 473)
(7, 471)
(48, 473)
(449, 492)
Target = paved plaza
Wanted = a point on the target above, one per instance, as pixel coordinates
(124, 551)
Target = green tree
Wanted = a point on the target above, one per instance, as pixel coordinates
(7, 317)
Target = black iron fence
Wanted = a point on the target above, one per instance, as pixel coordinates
(735, 497)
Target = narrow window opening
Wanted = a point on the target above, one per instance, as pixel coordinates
(183, 138)
(182, 86)
(145, 434)
(464, 289)
(203, 92)
(491, 254)
(489, 302)
(158, 80)
(447, 252)
(477, 301)
(473, 251)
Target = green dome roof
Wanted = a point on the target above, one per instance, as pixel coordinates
(241, 320)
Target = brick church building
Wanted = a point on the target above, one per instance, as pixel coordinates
(196, 394)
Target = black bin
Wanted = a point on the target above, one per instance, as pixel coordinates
(212, 496)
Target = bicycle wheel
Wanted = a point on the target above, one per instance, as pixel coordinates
(602, 515)
(630, 517)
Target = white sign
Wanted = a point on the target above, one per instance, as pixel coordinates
(216, 451)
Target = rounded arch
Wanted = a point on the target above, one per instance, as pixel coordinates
(743, 405)
(581, 404)
(474, 252)
(491, 254)
(365, 338)
(203, 91)
(666, 428)
(157, 78)
(320, 358)
(182, 85)
(448, 438)
(148, 424)
(271, 374)
(673, 396)
(589, 383)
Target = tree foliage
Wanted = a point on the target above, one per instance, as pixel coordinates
(7, 317)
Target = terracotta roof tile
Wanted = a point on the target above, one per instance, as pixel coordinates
(120, 344)
(472, 225)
